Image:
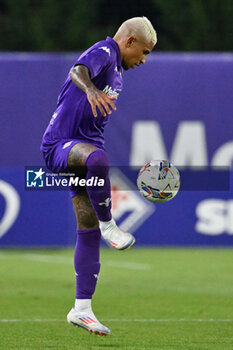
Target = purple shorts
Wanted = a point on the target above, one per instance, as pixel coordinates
(56, 158)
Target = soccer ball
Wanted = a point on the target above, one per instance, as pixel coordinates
(158, 181)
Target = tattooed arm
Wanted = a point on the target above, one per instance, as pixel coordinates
(97, 98)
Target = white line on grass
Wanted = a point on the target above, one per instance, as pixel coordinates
(66, 260)
(143, 320)
(169, 320)
(48, 258)
(128, 265)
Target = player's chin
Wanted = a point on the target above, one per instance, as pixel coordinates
(125, 66)
(129, 67)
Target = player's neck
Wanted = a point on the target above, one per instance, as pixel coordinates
(119, 44)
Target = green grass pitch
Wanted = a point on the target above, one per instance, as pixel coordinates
(160, 299)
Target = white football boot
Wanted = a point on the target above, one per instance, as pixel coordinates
(114, 236)
(88, 321)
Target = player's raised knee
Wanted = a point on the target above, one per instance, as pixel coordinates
(97, 162)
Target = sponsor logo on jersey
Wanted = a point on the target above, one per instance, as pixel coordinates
(111, 92)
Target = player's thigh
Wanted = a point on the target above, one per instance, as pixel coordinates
(85, 214)
(78, 155)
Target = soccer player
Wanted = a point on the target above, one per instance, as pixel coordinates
(74, 141)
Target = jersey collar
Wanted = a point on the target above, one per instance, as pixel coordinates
(116, 47)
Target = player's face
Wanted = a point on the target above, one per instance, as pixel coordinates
(136, 52)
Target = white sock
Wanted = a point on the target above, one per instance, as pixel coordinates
(104, 225)
(82, 305)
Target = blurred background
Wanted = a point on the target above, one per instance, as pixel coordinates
(177, 107)
(59, 25)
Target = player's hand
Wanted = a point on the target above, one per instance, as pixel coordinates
(100, 99)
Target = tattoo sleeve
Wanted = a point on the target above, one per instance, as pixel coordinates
(80, 76)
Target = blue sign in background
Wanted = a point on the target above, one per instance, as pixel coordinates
(171, 90)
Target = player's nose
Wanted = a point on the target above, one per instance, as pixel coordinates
(143, 60)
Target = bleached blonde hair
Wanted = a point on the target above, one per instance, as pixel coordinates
(148, 30)
(137, 26)
(140, 26)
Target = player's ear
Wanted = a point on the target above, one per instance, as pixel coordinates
(130, 41)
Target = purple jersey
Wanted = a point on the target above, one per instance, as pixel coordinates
(73, 117)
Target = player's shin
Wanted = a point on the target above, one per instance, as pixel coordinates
(98, 184)
(87, 267)
(86, 262)
(100, 197)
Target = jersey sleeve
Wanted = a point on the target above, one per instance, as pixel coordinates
(96, 60)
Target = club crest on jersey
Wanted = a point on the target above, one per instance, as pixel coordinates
(105, 48)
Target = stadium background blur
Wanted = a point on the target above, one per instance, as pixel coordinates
(50, 25)
(178, 106)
